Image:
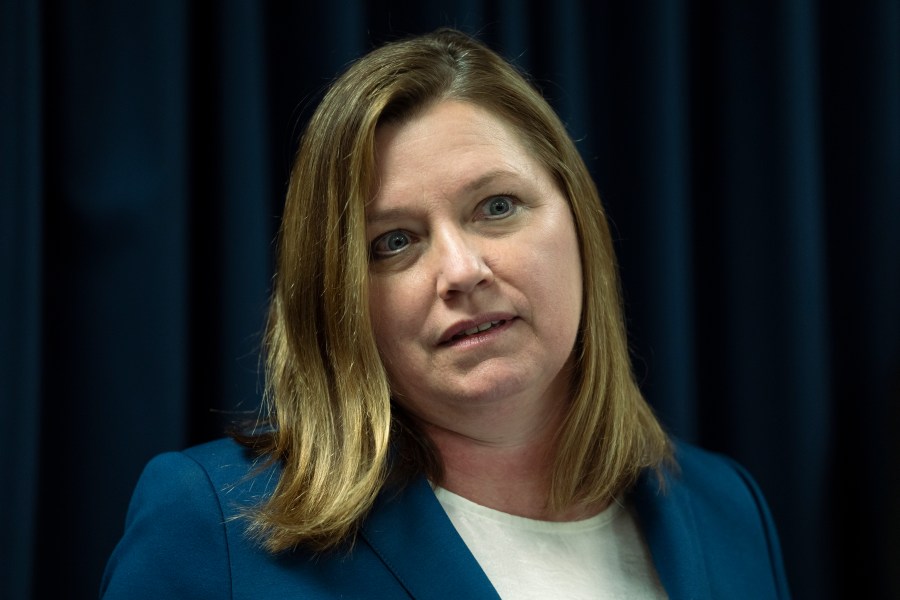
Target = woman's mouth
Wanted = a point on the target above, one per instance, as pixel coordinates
(478, 329)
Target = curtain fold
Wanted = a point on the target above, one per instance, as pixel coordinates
(231, 220)
(861, 98)
(21, 256)
(115, 313)
(747, 155)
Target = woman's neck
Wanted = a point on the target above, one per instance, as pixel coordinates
(512, 477)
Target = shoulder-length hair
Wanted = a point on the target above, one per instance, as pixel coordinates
(333, 426)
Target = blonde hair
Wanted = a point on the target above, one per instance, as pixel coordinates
(333, 427)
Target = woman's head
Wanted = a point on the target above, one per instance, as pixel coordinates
(329, 389)
(336, 173)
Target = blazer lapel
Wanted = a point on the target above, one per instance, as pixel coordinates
(668, 525)
(414, 538)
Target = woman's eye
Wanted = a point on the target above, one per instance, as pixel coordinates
(498, 206)
(390, 243)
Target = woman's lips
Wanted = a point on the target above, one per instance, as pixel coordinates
(474, 327)
(479, 329)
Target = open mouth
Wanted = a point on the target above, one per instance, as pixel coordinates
(480, 329)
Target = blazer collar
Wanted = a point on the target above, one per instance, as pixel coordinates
(667, 522)
(414, 538)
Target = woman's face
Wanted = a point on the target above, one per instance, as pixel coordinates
(475, 287)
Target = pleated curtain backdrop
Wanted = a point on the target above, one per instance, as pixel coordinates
(748, 154)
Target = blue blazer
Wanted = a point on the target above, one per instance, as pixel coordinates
(710, 535)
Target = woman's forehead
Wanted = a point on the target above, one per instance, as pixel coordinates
(456, 147)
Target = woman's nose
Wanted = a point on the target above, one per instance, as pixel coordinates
(461, 265)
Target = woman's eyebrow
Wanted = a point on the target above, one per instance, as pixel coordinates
(387, 214)
(471, 187)
(487, 179)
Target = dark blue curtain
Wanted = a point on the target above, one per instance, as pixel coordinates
(748, 152)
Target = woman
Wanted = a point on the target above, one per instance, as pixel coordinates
(451, 409)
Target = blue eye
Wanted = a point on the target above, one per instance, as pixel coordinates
(390, 243)
(498, 206)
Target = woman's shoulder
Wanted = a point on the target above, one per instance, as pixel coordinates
(710, 529)
(222, 468)
(182, 526)
(225, 458)
(711, 476)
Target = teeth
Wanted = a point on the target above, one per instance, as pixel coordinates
(479, 329)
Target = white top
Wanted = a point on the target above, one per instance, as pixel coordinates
(602, 557)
